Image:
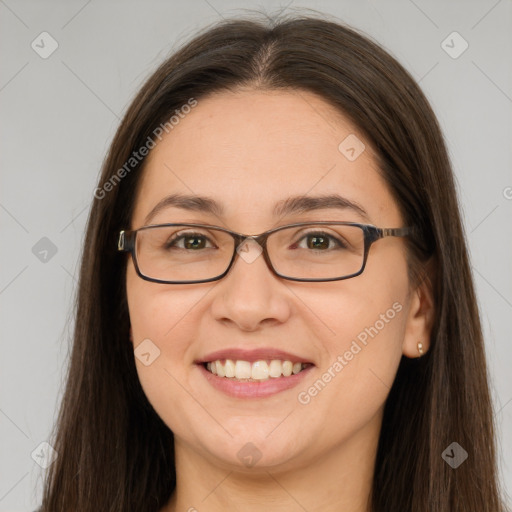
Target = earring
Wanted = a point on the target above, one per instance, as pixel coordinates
(420, 348)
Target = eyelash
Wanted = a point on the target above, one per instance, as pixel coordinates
(182, 236)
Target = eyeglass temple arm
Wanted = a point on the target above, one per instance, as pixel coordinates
(397, 231)
(125, 241)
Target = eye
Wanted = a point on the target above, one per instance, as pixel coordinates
(191, 240)
(320, 240)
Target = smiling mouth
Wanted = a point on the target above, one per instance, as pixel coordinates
(257, 371)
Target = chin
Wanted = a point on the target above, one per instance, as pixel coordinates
(252, 452)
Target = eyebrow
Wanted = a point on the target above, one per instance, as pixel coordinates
(291, 205)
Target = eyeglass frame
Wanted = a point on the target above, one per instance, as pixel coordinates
(127, 239)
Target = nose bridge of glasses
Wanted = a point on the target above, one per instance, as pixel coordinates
(250, 247)
(240, 239)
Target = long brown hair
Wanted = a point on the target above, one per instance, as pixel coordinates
(114, 452)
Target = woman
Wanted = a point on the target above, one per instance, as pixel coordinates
(275, 309)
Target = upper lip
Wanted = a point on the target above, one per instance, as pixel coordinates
(258, 354)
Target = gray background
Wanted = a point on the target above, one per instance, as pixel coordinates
(59, 115)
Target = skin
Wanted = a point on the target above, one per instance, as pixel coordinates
(248, 150)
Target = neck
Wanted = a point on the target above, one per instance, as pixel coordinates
(338, 480)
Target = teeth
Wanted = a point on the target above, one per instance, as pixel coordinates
(221, 372)
(242, 369)
(229, 368)
(275, 368)
(287, 368)
(296, 368)
(260, 370)
(257, 371)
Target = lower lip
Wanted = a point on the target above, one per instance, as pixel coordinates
(265, 388)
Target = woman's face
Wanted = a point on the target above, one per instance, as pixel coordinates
(249, 151)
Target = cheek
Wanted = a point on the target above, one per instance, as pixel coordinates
(164, 323)
(362, 355)
(158, 311)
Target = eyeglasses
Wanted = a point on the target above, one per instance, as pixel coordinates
(200, 253)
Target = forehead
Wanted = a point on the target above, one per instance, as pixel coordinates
(251, 149)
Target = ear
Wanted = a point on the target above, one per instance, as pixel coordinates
(420, 317)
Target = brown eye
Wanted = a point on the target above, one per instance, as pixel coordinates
(320, 241)
(191, 241)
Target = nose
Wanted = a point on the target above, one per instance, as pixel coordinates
(251, 295)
